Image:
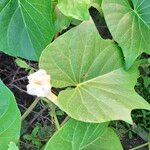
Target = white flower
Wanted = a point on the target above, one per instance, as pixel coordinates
(39, 84)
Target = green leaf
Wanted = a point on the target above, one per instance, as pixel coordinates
(10, 118)
(12, 146)
(61, 21)
(75, 22)
(130, 27)
(103, 90)
(97, 4)
(77, 9)
(26, 27)
(77, 135)
(22, 64)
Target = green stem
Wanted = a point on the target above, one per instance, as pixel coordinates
(52, 110)
(141, 146)
(56, 121)
(65, 120)
(29, 110)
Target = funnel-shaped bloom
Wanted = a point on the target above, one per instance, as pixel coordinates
(39, 84)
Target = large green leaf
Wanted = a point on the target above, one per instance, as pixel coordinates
(103, 90)
(129, 24)
(10, 118)
(26, 27)
(77, 135)
(78, 9)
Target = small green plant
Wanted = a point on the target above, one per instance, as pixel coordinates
(39, 135)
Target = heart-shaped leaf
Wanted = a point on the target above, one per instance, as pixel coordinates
(26, 27)
(129, 24)
(10, 118)
(77, 135)
(78, 9)
(103, 90)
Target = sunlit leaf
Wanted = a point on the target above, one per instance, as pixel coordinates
(129, 24)
(78, 9)
(100, 89)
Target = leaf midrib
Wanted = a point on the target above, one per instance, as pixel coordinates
(135, 12)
